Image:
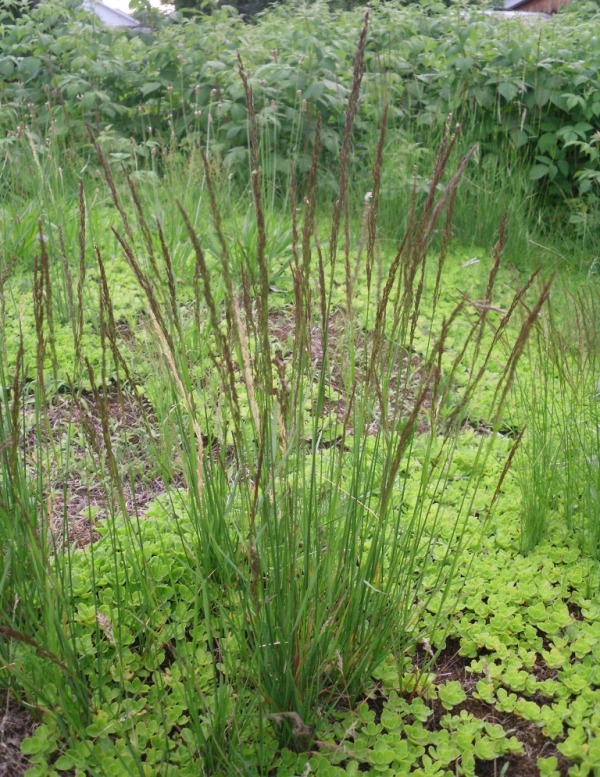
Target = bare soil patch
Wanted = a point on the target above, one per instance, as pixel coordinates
(15, 725)
(72, 442)
(393, 394)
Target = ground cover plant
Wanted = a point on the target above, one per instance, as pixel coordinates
(284, 492)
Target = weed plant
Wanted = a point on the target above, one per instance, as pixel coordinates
(558, 467)
(540, 455)
(316, 443)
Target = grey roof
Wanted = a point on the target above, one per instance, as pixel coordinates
(111, 17)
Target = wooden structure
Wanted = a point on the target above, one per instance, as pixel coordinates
(538, 6)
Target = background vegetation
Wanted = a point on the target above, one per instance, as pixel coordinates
(529, 100)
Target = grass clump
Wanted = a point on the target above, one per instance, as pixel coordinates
(227, 625)
(559, 471)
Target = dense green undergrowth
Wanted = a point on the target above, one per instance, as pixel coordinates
(517, 633)
(168, 679)
(528, 94)
(521, 655)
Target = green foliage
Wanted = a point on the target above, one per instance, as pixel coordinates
(451, 694)
(13, 9)
(534, 97)
(332, 408)
(292, 569)
(558, 461)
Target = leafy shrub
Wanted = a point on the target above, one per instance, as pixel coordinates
(149, 95)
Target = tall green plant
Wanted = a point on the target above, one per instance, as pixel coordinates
(322, 552)
(37, 640)
(557, 466)
(317, 444)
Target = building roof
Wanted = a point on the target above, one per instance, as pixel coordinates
(531, 16)
(111, 17)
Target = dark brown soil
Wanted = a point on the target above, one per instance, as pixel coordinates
(449, 665)
(81, 491)
(404, 382)
(15, 726)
